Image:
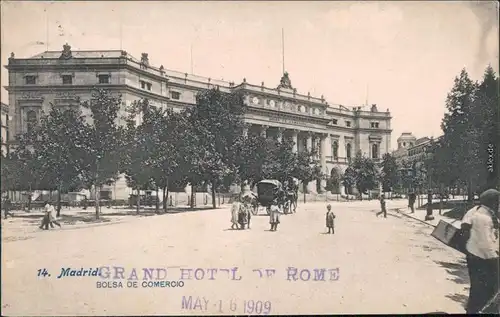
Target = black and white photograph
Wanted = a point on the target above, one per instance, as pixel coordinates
(249, 158)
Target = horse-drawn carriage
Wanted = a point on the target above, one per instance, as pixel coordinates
(270, 190)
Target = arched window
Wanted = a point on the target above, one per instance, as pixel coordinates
(31, 120)
(335, 150)
(348, 151)
(374, 151)
(404, 143)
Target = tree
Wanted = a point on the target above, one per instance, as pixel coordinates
(216, 126)
(486, 124)
(460, 136)
(389, 172)
(252, 154)
(58, 147)
(103, 142)
(333, 181)
(363, 173)
(169, 152)
(349, 179)
(141, 143)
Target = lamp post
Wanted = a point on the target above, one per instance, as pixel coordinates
(429, 215)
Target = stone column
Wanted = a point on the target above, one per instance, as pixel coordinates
(279, 135)
(309, 141)
(246, 126)
(323, 155)
(295, 139)
(263, 131)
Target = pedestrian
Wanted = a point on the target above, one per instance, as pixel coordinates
(247, 203)
(274, 215)
(48, 218)
(243, 214)
(411, 201)
(7, 205)
(235, 209)
(330, 219)
(382, 207)
(480, 229)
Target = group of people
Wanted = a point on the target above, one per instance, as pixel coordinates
(48, 217)
(241, 214)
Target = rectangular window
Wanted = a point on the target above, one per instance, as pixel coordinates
(103, 79)
(175, 95)
(334, 121)
(143, 84)
(374, 124)
(30, 80)
(149, 85)
(348, 123)
(67, 79)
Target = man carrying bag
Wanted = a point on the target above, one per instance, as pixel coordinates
(479, 233)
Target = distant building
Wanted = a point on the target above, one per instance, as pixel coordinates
(5, 128)
(63, 78)
(412, 149)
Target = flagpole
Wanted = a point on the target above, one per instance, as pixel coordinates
(192, 72)
(283, 47)
(47, 29)
(121, 28)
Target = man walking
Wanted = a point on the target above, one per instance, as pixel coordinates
(480, 228)
(382, 207)
(7, 205)
(411, 201)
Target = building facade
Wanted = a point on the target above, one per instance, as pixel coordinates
(5, 128)
(64, 78)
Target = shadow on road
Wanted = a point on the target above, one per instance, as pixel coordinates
(459, 298)
(458, 271)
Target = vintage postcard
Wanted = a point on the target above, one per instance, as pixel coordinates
(249, 157)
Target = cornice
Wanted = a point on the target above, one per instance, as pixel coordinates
(311, 119)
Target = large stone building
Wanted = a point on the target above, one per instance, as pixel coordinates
(5, 128)
(411, 149)
(63, 78)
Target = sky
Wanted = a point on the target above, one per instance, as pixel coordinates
(402, 56)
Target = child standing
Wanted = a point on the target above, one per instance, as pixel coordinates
(330, 220)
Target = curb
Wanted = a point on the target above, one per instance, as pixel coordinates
(408, 216)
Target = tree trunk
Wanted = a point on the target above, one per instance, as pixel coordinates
(97, 194)
(58, 208)
(138, 201)
(214, 204)
(470, 194)
(164, 198)
(157, 200)
(193, 195)
(29, 200)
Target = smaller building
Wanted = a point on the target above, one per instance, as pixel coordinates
(5, 128)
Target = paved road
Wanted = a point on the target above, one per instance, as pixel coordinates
(384, 266)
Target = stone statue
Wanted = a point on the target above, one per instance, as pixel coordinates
(285, 82)
(12, 55)
(66, 53)
(145, 59)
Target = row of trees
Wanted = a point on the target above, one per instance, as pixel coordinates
(86, 148)
(466, 156)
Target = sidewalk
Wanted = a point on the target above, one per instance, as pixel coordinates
(420, 214)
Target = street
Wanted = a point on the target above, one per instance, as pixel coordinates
(389, 265)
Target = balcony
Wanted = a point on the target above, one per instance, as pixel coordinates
(342, 160)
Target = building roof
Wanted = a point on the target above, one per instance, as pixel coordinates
(422, 140)
(84, 54)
